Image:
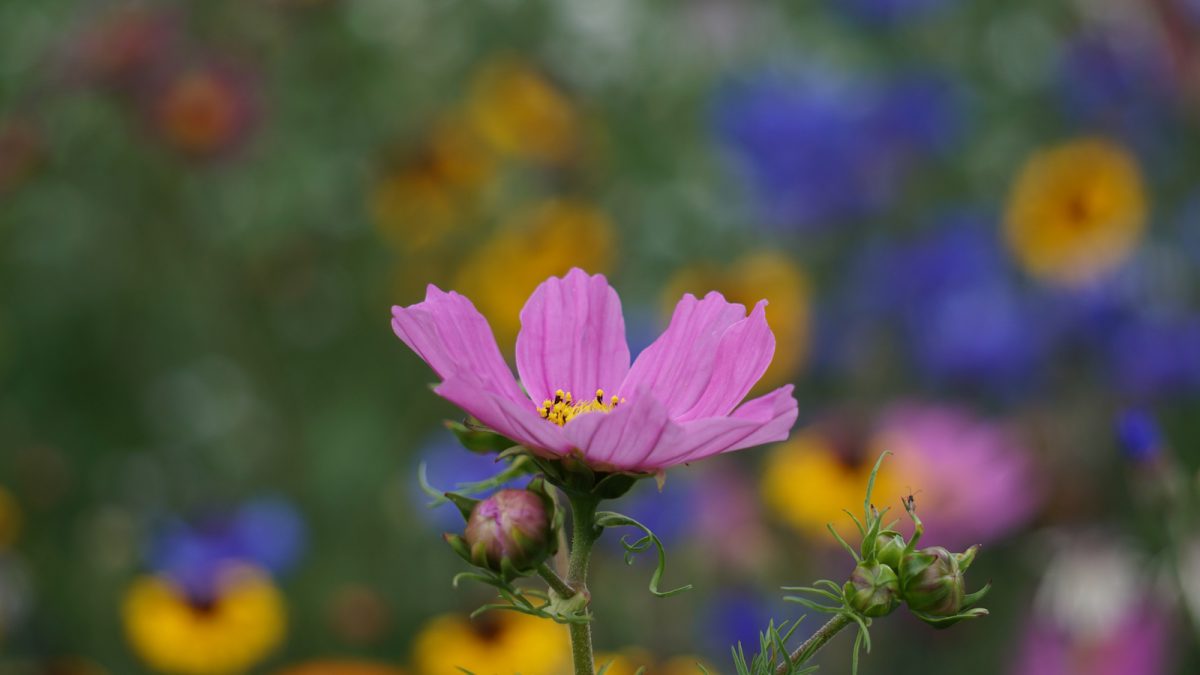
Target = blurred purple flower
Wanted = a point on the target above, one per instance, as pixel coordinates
(1140, 324)
(1138, 645)
(267, 532)
(964, 317)
(955, 301)
(975, 482)
(735, 616)
(670, 513)
(447, 466)
(885, 12)
(1094, 614)
(1120, 85)
(816, 148)
(1139, 435)
(1154, 356)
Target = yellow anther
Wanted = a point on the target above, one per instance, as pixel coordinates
(563, 408)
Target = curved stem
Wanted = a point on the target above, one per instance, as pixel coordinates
(584, 535)
(813, 644)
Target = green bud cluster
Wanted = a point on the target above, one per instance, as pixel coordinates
(929, 580)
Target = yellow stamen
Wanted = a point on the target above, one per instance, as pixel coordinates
(562, 409)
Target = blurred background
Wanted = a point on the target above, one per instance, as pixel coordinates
(977, 223)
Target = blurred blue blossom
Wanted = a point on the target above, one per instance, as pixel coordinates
(931, 289)
(884, 12)
(670, 513)
(1120, 86)
(1155, 356)
(267, 532)
(816, 147)
(447, 466)
(734, 616)
(1139, 434)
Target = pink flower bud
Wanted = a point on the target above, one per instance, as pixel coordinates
(511, 525)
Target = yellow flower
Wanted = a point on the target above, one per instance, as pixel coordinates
(625, 662)
(10, 519)
(807, 485)
(1076, 211)
(521, 113)
(545, 241)
(769, 275)
(229, 635)
(496, 643)
(424, 199)
(341, 667)
(628, 661)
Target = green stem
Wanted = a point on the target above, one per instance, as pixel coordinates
(584, 535)
(811, 646)
(555, 582)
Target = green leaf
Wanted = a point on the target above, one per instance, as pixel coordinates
(478, 438)
(613, 519)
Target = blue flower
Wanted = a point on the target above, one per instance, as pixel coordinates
(953, 299)
(884, 12)
(447, 466)
(267, 532)
(1121, 86)
(1139, 435)
(815, 148)
(1154, 356)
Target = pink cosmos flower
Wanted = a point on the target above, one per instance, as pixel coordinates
(677, 403)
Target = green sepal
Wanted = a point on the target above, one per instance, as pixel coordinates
(573, 476)
(465, 504)
(478, 438)
(459, 545)
(966, 557)
(615, 485)
(972, 598)
(940, 622)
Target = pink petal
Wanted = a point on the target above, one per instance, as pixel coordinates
(745, 351)
(623, 438)
(678, 365)
(455, 340)
(518, 421)
(766, 419)
(572, 338)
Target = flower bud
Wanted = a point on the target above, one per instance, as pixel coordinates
(873, 590)
(932, 582)
(889, 548)
(510, 528)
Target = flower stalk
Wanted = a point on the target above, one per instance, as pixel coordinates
(812, 645)
(583, 537)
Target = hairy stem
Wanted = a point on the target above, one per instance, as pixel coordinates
(813, 644)
(584, 535)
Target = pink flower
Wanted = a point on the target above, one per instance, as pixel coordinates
(677, 403)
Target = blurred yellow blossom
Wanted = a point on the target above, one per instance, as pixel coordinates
(426, 195)
(521, 113)
(1076, 211)
(341, 667)
(496, 643)
(229, 634)
(807, 485)
(628, 661)
(546, 240)
(771, 275)
(10, 519)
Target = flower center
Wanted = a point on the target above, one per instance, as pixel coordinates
(564, 408)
